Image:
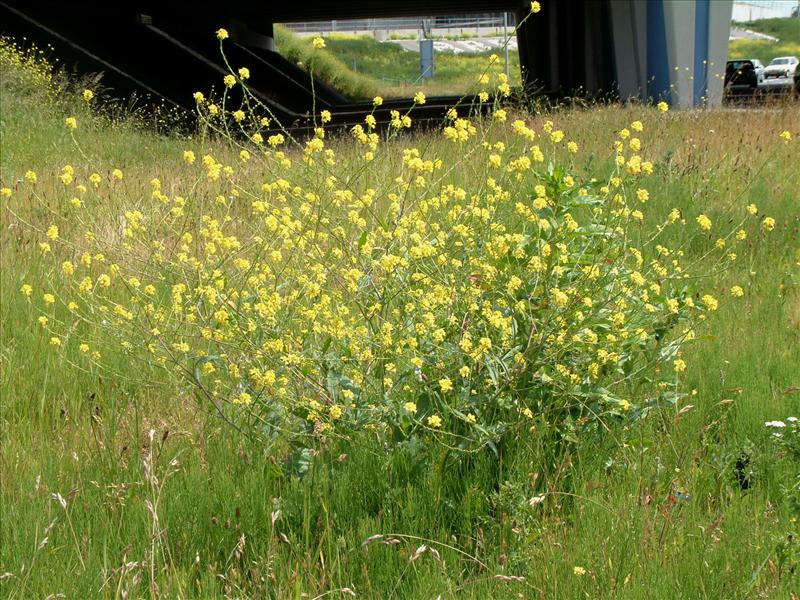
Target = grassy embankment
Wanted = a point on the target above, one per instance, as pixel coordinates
(658, 515)
(362, 67)
(786, 30)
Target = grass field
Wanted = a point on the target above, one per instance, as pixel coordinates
(114, 489)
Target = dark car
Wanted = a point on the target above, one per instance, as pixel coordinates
(797, 82)
(743, 75)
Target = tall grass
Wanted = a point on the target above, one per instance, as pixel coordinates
(112, 490)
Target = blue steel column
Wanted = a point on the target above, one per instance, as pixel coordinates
(657, 57)
(701, 34)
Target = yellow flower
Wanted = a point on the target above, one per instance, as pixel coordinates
(768, 224)
(710, 302)
(5, 192)
(535, 7)
(71, 122)
(410, 407)
(244, 73)
(377, 101)
(662, 106)
(88, 95)
(26, 290)
(785, 136)
(637, 126)
(238, 116)
(243, 399)
(741, 235)
(579, 571)
(55, 342)
(419, 98)
(30, 176)
(445, 385)
(222, 34)
(325, 116)
(229, 80)
(188, 156)
(704, 222)
(464, 371)
(572, 147)
(42, 321)
(434, 421)
(84, 348)
(68, 268)
(52, 232)
(752, 209)
(679, 364)
(318, 43)
(48, 299)
(737, 291)
(198, 97)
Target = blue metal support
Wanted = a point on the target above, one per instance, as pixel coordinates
(701, 35)
(657, 57)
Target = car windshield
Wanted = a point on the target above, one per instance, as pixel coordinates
(738, 64)
(780, 61)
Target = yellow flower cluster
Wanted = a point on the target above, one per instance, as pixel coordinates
(454, 288)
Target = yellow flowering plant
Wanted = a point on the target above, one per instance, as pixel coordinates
(309, 287)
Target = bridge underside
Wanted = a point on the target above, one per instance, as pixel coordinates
(167, 50)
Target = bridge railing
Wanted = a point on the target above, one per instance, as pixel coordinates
(493, 20)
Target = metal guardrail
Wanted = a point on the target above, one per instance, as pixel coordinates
(491, 20)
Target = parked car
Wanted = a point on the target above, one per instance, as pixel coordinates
(744, 74)
(797, 82)
(781, 67)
